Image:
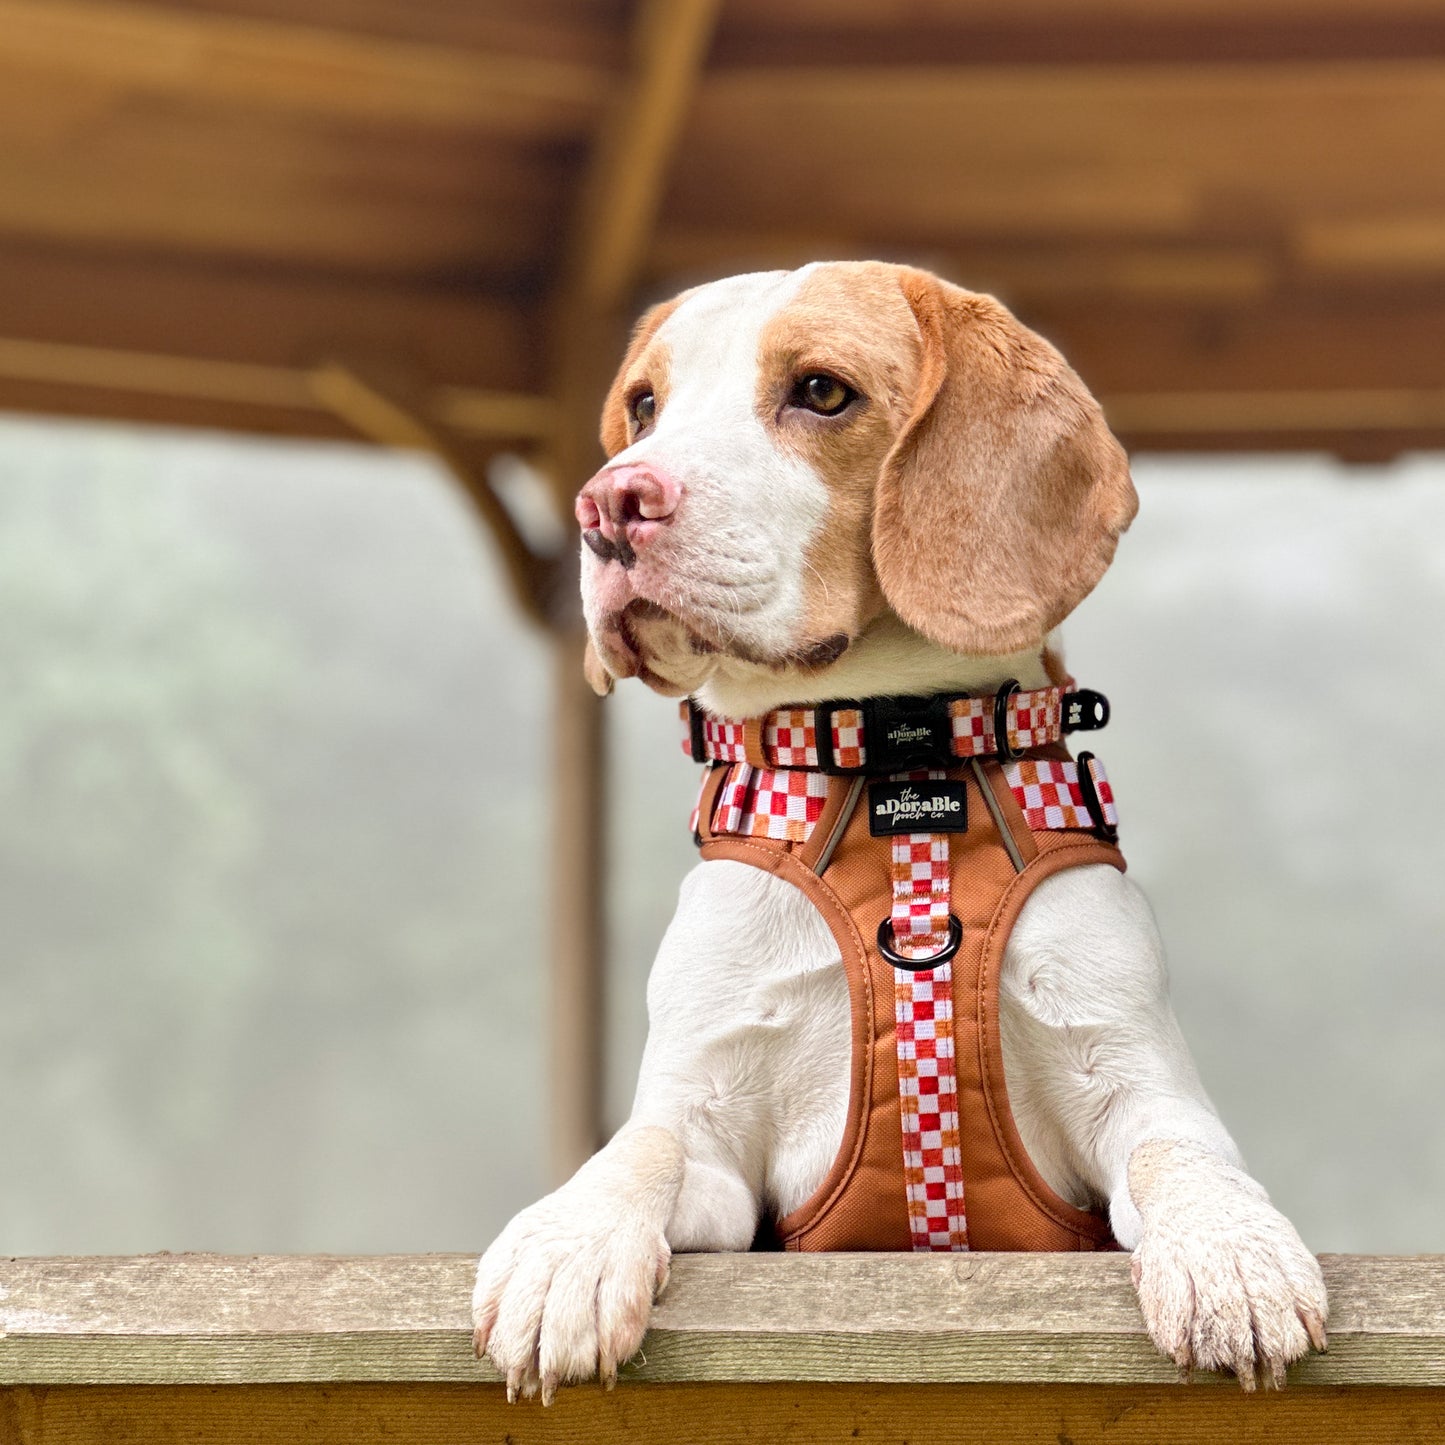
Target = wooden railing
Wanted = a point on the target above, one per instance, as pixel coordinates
(956, 1348)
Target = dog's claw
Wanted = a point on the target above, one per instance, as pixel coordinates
(1315, 1329)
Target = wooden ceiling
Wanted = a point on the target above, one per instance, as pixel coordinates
(1229, 213)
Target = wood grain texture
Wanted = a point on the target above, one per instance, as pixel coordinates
(918, 153)
(715, 1415)
(884, 1319)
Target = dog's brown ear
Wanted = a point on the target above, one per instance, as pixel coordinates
(614, 409)
(999, 507)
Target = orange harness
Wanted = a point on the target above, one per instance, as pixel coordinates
(920, 873)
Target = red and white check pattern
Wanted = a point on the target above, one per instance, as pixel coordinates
(1050, 796)
(928, 1101)
(923, 1023)
(790, 738)
(790, 735)
(920, 885)
(762, 803)
(1034, 718)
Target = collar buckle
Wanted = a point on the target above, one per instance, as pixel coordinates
(907, 732)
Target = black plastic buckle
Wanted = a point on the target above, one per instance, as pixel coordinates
(695, 734)
(1001, 746)
(823, 736)
(1103, 830)
(1085, 711)
(907, 732)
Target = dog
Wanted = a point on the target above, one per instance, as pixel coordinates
(857, 481)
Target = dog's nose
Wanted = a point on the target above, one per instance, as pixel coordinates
(622, 508)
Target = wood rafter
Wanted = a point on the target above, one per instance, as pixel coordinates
(379, 411)
(163, 50)
(630, 164)
(468, 410)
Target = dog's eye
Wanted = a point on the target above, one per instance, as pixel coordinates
(643, 410)
(822, 393)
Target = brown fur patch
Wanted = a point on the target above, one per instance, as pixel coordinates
(1000, 506)
(646, 360)
(849, 319)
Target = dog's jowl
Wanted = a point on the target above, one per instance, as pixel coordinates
(910, 999)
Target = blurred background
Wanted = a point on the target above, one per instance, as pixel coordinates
(327, 892)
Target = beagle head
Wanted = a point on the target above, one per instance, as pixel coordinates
(804, 463)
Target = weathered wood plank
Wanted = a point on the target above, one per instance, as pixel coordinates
(208, 1319)
(142, 49)
(714, 1415)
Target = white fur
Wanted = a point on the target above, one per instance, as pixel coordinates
(735, 554)
(743, 1092)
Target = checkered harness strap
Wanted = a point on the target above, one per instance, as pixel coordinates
(923, 1031)
(786, 803)
(789, 736)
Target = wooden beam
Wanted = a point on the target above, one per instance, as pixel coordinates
(160, 50)
(977, 36)
(384, 413)
(1348, 339)
(1028, 1319)
(941, 157)
(243, 385)
(1027, 268)
(456, 329)
(721, 1414)
(610, 232)
(630, 165)
(1245, 412)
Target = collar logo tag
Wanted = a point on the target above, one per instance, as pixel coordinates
(927, 806)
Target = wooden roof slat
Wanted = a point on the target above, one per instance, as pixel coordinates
(265, 316)
(245, 186)
(244, 385)
(146, 49)
(939, 156)
(591, 32)
(630, 166)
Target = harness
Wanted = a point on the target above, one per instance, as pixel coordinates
(971, 802)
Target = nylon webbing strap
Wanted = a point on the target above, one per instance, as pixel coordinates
(839, 737)
(923, 1029)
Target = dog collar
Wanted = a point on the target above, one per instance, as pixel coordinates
(889, 734)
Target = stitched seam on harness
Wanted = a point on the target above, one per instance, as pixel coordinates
(815, 1209)
(987, 1029)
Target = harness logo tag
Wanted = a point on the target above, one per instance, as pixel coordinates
(927, 806)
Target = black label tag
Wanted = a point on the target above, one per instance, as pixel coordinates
(922, 807)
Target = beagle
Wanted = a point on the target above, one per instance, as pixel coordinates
(856, 481)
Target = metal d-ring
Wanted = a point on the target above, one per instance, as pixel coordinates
(919, 965)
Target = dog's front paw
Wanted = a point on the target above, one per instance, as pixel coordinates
(565, 1292)
(1224, 1281)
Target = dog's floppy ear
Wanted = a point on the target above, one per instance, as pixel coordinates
(999, 507)
(614, 409)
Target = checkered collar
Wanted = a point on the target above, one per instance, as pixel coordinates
(889, 734)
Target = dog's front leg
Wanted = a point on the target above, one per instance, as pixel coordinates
(1110, 1104)
(565, 1291)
